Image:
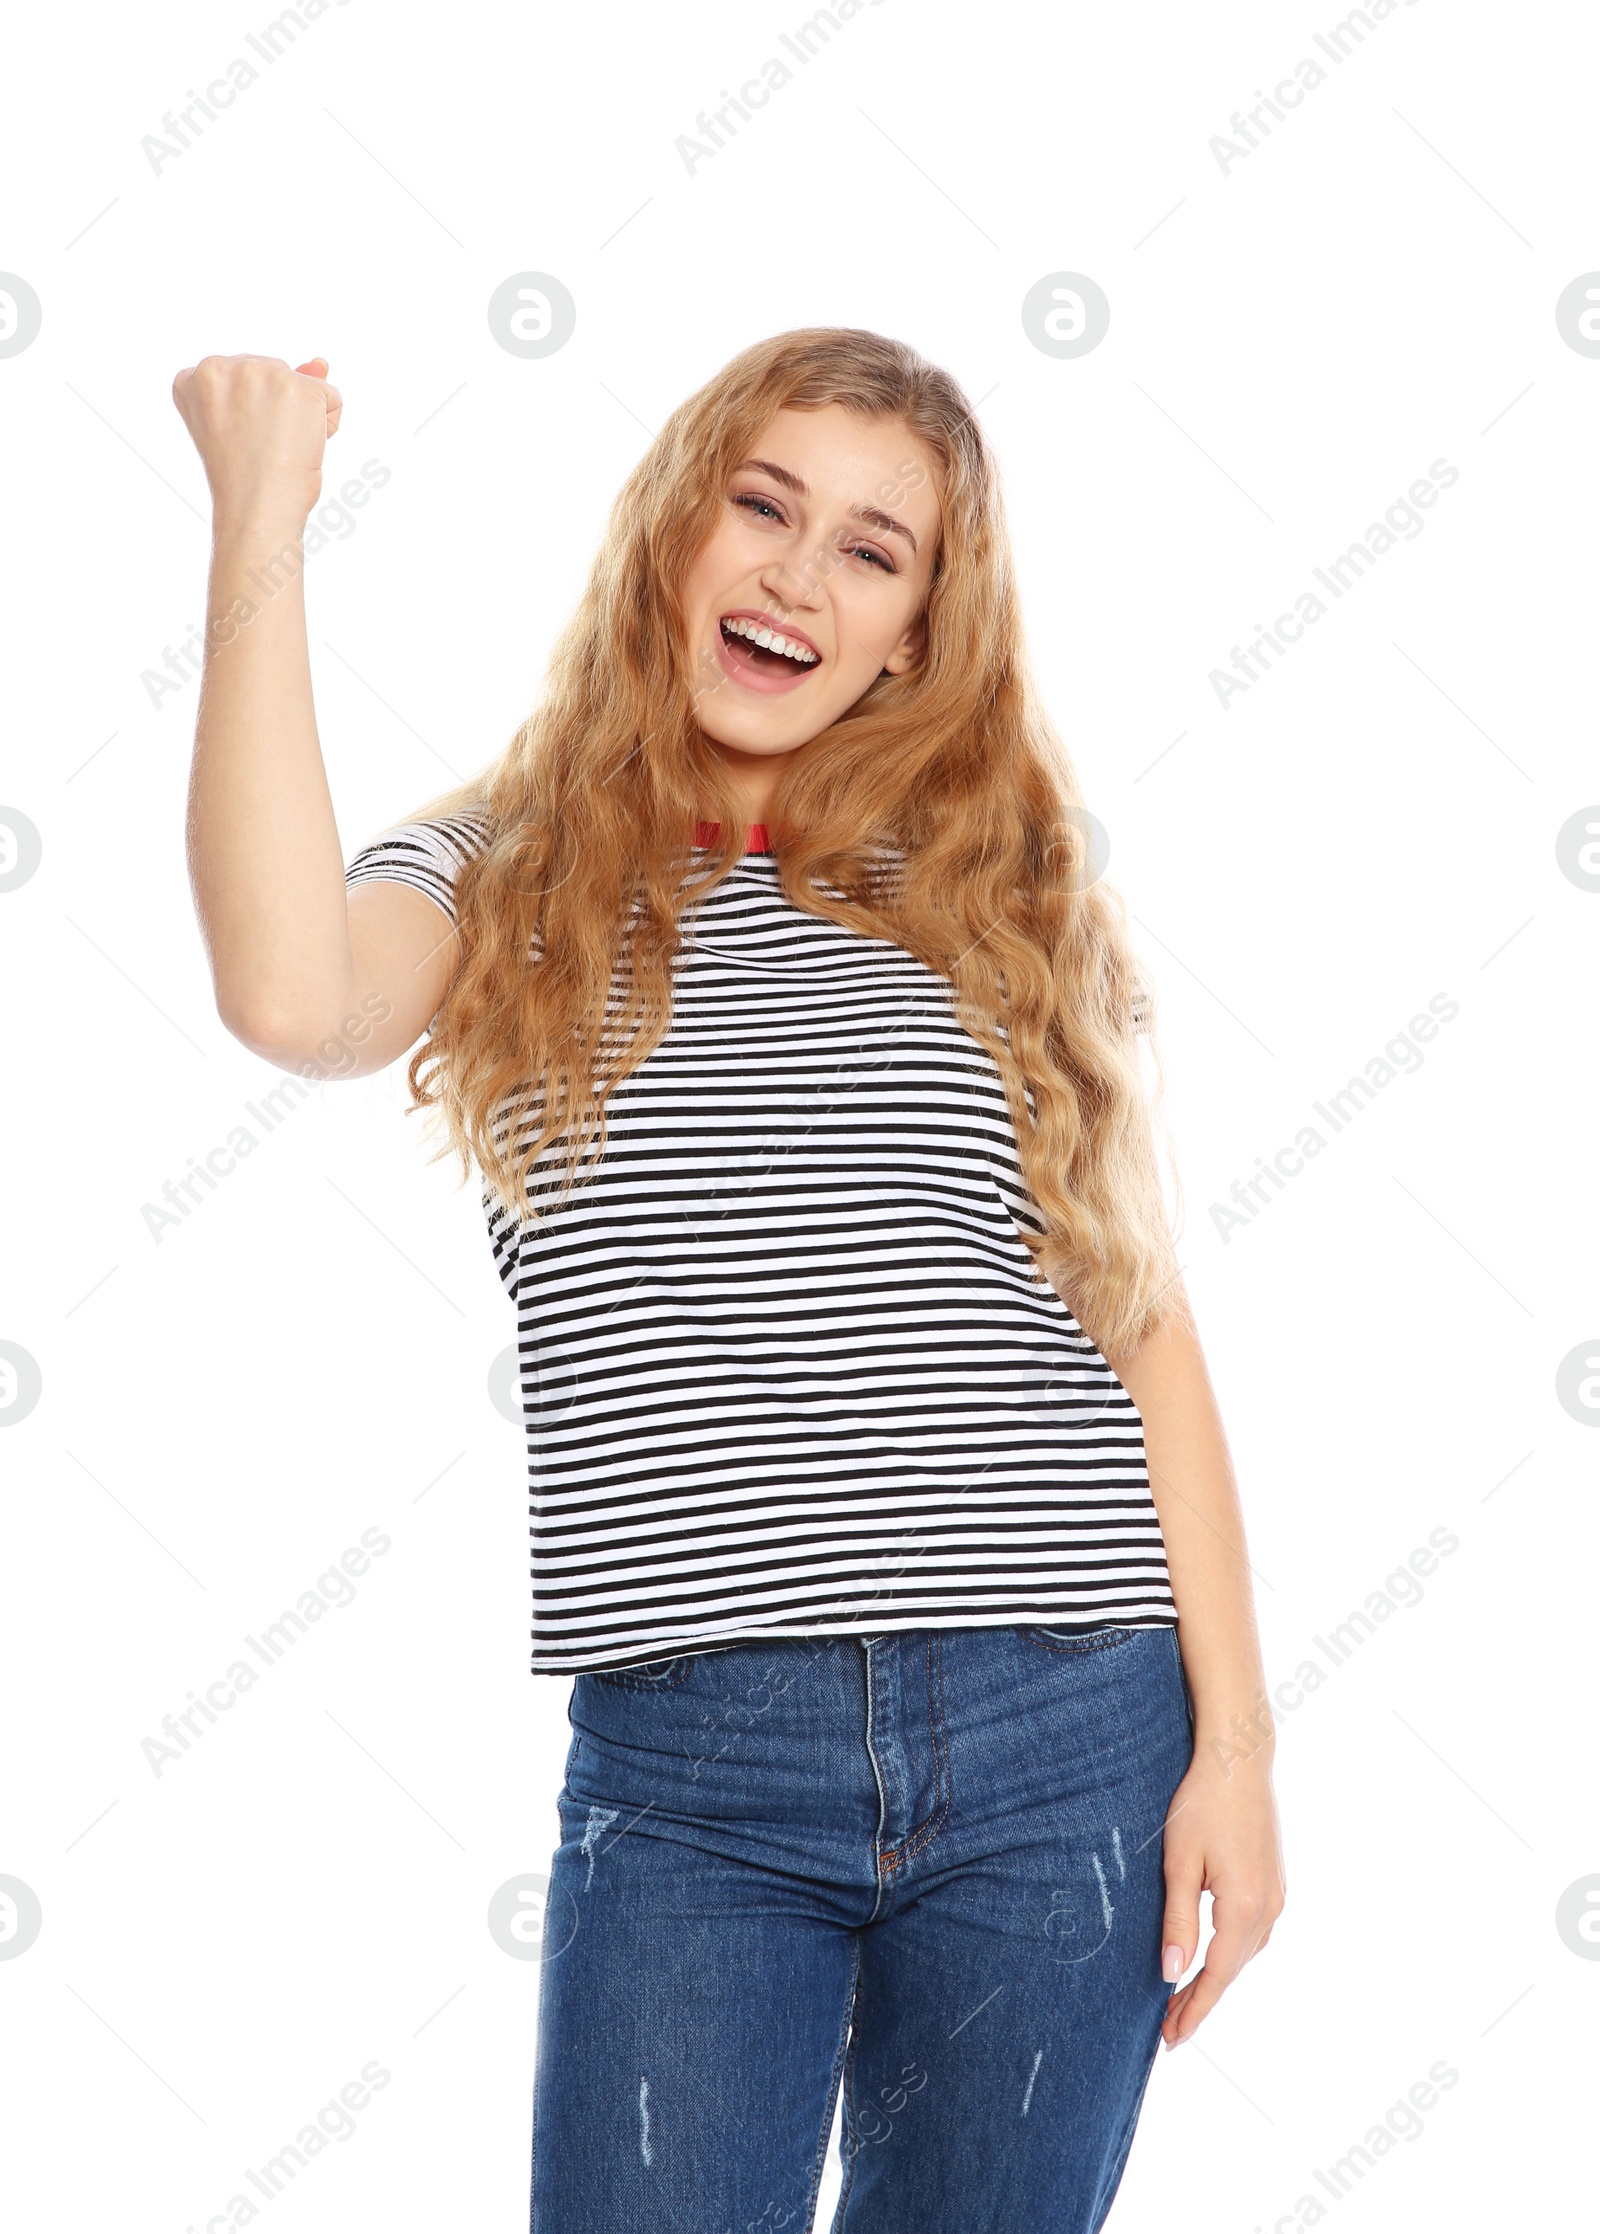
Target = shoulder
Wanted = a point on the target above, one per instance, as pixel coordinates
(427, 854)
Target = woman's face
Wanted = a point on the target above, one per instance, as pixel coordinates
(827, 540)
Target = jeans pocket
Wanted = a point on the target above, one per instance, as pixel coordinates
(1080, 1640)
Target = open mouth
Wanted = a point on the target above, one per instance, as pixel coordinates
(757, 652)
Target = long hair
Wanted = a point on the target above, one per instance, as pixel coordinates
(569, 917)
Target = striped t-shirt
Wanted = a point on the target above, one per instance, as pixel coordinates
(785, 1367)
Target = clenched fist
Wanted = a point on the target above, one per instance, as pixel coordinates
(260, 426)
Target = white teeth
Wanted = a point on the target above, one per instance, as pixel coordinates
(769, 640)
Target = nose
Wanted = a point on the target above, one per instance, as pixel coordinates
(798, 587)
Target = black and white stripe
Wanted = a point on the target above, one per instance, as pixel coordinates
(785, 1367)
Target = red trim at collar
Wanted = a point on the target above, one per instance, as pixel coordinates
(756, 839)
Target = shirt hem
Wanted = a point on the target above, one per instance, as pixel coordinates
(1069, 1621)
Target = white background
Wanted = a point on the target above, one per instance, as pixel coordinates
(308, 1354)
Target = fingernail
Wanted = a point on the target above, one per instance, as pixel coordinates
(1172, 1964)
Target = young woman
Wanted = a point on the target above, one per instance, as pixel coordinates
(881, 1510)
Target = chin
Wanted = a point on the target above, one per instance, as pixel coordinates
(761, 739)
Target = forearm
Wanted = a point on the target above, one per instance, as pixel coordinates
(1197, 1501)
(265, 859)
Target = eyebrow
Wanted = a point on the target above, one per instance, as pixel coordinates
(869, 512)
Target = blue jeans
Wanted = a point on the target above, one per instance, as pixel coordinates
(928, 1862)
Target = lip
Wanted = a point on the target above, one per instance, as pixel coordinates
(766, 682)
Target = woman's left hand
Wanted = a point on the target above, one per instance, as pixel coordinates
(1221, 1838)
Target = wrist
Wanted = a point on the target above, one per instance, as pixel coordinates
(254, 531)
(1236, 1724)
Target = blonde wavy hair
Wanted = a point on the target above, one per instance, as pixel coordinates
(569, 917)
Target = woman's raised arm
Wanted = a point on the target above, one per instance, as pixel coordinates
(305, 973)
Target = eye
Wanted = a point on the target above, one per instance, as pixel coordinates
(764, 507)
(867, 551)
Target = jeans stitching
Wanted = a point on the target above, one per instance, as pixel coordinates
(880, 1861)
(1093, 1641)
(916, 1840)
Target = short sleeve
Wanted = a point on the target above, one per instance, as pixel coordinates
(426, 855)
